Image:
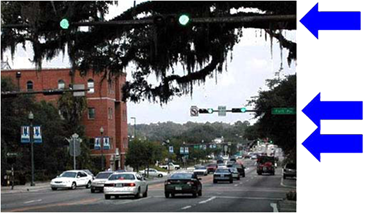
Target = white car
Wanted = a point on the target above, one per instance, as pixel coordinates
(99, 180)
(71, 179)
(125, 183)
(153, 173)
(200, 170)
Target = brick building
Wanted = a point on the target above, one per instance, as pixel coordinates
(105, 108)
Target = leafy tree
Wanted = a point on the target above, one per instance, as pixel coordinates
(143, 153)
(280, 128)
(202, 49)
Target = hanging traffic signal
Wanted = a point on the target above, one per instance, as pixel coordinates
(239, 110)
(184, 19)
(64, 23)
(206, 111)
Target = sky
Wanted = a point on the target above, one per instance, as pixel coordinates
(254, 61)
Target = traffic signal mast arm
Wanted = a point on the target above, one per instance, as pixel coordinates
(45, 92)
(147, 21)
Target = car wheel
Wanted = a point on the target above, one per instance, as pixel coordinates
(160, 175)
(214, 181)
(137, 195)
(107, 197)
(244, 175)
(173, 194)
(73, 186)
(238, 178)
(194, 194)
(92, 190)
(88, 185)
(146, 193)
(284, 176)
(166, 195)
(259, 173)
(231, 181)
(53, 188)
(200, 193)
(273, 173)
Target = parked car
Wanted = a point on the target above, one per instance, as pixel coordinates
(235, 173)
(100, 179)
(153, 173)
(71, 179)
(222, 174)
(211, 167)
(183, 183)
(265, 164)
(289, 170)
(125, 183)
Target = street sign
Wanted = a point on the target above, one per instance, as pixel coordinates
(204, 147)
(181, 150)
(171, 149)
(194, 111)
(222, 110)
(25, 134)
(9, 154)
(214, 146)
(74, 147)
(78, 87)
(37, 138)
(186, 150)
(196, 146)
(283, 111)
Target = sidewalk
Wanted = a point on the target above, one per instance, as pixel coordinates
(25, 188)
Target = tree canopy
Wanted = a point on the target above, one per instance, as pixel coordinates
(201, 49)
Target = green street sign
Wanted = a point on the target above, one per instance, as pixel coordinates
(283, 111)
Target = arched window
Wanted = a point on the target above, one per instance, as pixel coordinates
(61, 84)
(91, 86)
(29, 86)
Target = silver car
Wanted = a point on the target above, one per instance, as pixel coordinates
(100, 179)
(235, 173)
(125, 183)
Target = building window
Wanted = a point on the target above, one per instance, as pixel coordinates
(61, 84)
(91, 86)
(110, 113)
(29, 86)
(91, 113)
(111, 88)
(92, 143)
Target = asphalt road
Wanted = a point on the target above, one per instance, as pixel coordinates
(252, 193)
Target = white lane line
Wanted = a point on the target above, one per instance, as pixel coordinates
(274, 207)
(241, 182)
(32, 201)
(206, 201)
(250, 198)
(236, 184)
(186, 207)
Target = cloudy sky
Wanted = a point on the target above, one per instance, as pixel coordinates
(254, 61)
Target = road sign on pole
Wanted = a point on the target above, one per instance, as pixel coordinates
(194, 111)
(171, 149)
(222, 110)
(181, 150)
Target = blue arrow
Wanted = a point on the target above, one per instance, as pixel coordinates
(315, 20)
(317, 144)
(37, 131)
(318, 110)
(25, 131)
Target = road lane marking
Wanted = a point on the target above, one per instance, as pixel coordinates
(236, 184)
(251, 198)
(186, 207)
(274, 207)
(206, 201)
(32, 201)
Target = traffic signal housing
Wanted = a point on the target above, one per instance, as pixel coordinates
(64, 24)
(239, 110)
(206, 111)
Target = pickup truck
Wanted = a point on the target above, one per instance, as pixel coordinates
(171, 166)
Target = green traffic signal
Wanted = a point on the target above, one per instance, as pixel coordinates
(210, 110)
(64, 24)
(184, 19)
(239, 110)
(243, 109)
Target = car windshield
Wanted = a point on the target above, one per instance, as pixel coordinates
(291, 166)
(69, 174)
(122, 177)
(181, 176)
(200, 167)
(222, 170)
(103, 175)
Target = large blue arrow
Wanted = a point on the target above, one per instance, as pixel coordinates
(318, 110)
(315, 20)
(317, 144)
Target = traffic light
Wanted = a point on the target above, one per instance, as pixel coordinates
(184, 19)
(206, 111)
(64, 24)
(239, 110)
